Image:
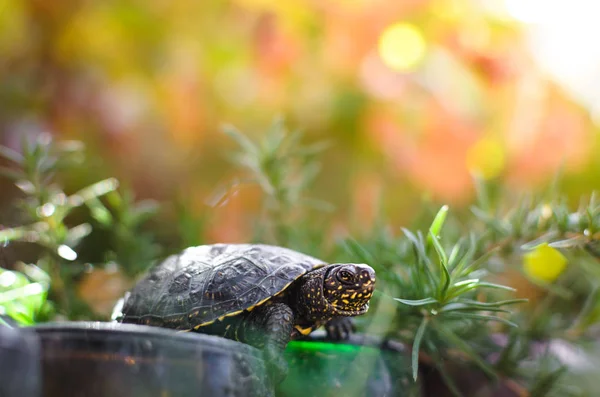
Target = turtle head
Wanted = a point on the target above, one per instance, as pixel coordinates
(347, 288)
(339, 290)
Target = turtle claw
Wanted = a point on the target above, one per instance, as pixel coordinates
(340, 328)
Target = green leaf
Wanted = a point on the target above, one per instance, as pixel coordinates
(99, 212)
(21, 317)
(463, 307)
(577, 241)
(94, 191)
(77, 233)
(34, 273)
(546, 382)
(476, 316)
(246, 144)
(546, 237)
(465, 286)
(457, 341)
(464, 270)
(483, 284)
(497, 225)
(313, 149)
(422, 262)
(11, 155)
(12, 234)
(485, 305)
(23, 293)
(13, 175)
(454, 255)
(443, 262)
(143, 210)
(457, 270)
(418, 302)
(276, 136)
(438, 221)
(11, 280)
(416, 346)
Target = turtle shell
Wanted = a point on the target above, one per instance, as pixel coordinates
(209, 282)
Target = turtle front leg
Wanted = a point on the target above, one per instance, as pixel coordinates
(269, 327)
(340, 328)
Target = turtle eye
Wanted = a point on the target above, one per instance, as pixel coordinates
(345, 277)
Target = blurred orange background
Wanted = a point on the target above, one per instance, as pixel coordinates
(414, 96)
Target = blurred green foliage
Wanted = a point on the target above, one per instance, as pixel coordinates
(47, 209)
(23, 295)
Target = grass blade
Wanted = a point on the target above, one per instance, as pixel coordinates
(418, 302)
(480, 317)
(416, 346)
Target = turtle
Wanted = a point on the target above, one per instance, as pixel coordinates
(258, 294)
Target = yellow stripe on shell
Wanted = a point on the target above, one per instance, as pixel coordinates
(204, 324)
(240, 311)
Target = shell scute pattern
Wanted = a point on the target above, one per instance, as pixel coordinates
(208, 282)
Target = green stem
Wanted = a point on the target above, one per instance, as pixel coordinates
(58, 287)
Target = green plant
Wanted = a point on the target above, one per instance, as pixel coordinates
(122, 219)
(48, 208)
(283, 168)
(436, 290)
(23, 295)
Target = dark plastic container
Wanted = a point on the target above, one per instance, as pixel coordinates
(20, 369)
(94, 359)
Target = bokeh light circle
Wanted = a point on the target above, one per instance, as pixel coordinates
(402, 47)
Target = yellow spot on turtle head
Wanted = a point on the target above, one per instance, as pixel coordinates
(345, 295)
(340, 287)
(353, 296)
(345, 301)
